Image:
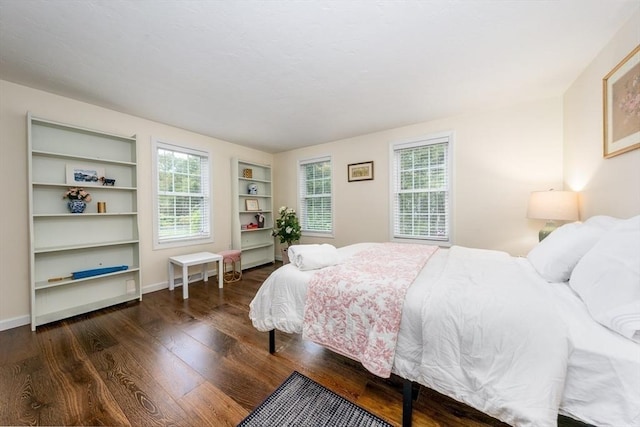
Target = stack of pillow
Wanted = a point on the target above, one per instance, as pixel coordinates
(600, 259)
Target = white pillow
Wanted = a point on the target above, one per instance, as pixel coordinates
(603, 221)
(607, 278)
(555, 257)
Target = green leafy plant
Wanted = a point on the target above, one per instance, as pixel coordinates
(287, 226)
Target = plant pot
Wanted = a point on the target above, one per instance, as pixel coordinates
(285, 256)
(76, 206)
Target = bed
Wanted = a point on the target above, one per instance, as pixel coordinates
(522, 339)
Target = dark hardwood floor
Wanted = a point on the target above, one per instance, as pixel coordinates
(165, 361)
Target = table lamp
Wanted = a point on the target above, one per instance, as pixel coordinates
(552, 205)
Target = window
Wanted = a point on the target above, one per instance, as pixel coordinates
(316, 212)
(421, 189)
(182, 214)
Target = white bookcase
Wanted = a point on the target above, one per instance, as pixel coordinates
(257, 244)
(61, 242)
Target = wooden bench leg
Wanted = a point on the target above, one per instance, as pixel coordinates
(185, 282)
(171, 280)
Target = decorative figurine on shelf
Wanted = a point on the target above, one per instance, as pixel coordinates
(253, 188)
(108, 181)
(260, 219)
(78, 199)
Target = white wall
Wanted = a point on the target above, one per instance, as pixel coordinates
(15, 101)
(607, 186)
(499, 158)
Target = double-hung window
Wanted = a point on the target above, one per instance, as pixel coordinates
(421, 189)
(182, 198)
(315, 196)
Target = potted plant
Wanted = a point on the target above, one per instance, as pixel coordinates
(288, 229)
(78, 199)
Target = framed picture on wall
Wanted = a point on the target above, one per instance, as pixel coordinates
(621, 95)
(360, 171)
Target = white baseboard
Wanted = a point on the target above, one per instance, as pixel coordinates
(177, 282)
(15, 322)
(155, 287)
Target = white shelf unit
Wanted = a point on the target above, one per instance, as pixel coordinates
(257, 245)
(61, 242)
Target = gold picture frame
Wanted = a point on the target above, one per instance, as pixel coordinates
(252, 205)
(621, 89)
(360, 171)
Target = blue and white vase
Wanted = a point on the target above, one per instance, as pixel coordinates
(76, 205)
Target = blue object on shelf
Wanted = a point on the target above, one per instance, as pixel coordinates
(97, 271)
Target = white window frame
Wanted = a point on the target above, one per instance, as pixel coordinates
(302, 195)
(207, 236)
(431, 139)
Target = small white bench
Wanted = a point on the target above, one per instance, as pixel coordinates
(193, 259)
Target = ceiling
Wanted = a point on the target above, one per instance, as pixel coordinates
(277, 75)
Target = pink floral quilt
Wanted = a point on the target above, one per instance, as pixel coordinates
(354, 308)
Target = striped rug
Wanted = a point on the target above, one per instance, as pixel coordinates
(302, 402)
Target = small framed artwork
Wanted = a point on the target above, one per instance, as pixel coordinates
(83, 175)
(621, 91)
(252, 204)
(360, 171)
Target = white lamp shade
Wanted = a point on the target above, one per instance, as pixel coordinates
(553, 205)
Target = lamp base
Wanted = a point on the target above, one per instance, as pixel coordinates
(546, 230)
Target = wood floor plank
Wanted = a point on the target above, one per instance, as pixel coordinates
(25, 393)
(90, 333)
(211, 337)
(171, 372)
(138, 394)
(17, 344)
(82, 397)
(455, 414)
(213, 406)
(176, 377)
(207, 362)
(241, 353)
(231, 378)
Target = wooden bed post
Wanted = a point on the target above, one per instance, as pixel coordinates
(272, 341)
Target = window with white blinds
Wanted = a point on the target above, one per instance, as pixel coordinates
(421, 189)
(182, 213)
(315, 192)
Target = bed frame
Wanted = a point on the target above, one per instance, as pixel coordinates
(409, 388)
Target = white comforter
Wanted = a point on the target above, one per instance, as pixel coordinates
(473, 327)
